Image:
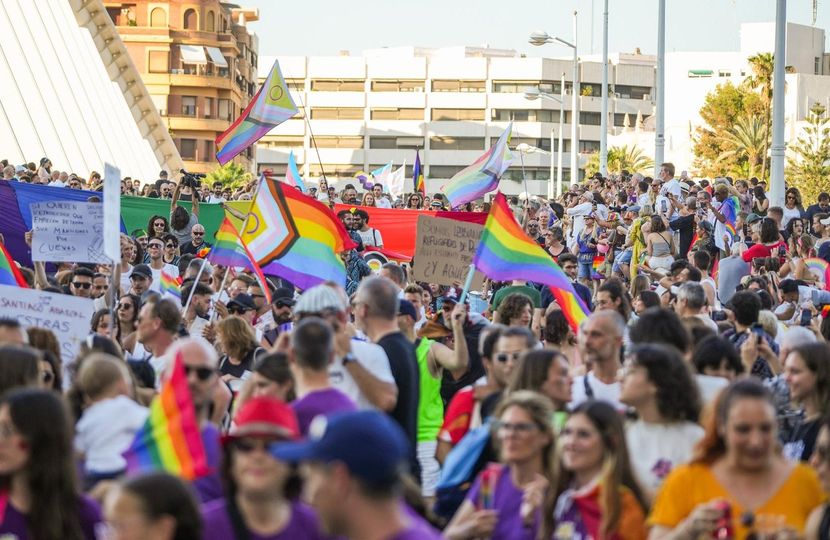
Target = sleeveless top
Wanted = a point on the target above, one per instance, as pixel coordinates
(430, 406)
(660, 248)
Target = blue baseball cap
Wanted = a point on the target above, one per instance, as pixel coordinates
(371, 445)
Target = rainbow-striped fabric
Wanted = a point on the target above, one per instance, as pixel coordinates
(483, 175)
(505, 253)
(231, 251)
(418, 175)
(171, 285)
(9, 272)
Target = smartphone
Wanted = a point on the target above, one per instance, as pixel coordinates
(781, 251)
(758, 330)
(664, 206)
(806, 317)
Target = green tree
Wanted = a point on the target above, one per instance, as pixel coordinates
(808, 168)
(761, 65)
(230, 175)
(621, 158)
(747, 140)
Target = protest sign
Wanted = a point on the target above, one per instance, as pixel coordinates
(67, 316)
(112, 212)
(444, 250)
(68, 231)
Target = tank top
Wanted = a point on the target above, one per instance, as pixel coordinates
(660, 249)
(430, 406)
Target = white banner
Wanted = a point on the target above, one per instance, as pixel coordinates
(68, 231)
(112, 212)
(67, 316)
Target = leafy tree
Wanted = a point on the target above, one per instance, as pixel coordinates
(761, 65)
(808, 168)
(230, 175)
(747, 140)
(621, 158)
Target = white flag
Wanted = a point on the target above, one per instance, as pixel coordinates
(396, 182)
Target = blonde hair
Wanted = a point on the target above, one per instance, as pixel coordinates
(99, 373)
(238, 337)
(768, 321)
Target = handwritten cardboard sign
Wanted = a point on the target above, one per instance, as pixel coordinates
(444, 249)
(68, 231)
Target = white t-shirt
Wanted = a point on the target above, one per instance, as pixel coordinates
(383, 202)
(789, 213)
(169, 269)
(655, 449)
(196, 327)
(601, 391)
(124, 282)
(710, 386)
(371, 237)
(106, 430)
(370, 356)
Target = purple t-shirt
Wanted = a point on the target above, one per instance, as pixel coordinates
(303, 525)
(325, 402)
(14, 521)
(209, 487)
(506, 500)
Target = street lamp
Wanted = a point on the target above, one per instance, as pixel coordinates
(534, 94)
(539, 38)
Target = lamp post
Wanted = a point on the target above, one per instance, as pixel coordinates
(778, 147)
(660, 89)
(533, 94)
(541, 38)
(603, 128)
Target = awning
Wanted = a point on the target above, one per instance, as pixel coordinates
(216, 57)
(191, 54)
(701, 72)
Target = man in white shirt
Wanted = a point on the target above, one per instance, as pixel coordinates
(691, 299)
(380, 200)
(369, 235)
(670, 183)
(601, 342)
(584, 207)
(155, 248)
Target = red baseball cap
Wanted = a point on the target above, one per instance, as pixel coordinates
(264, 417)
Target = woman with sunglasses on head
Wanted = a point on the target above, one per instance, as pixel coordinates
(807, 373)
(738, 479)
(658, 385)
(597, 493)
(514, 499)
(256, 504)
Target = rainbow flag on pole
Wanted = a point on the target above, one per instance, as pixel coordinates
(231, 251)
(292, 173)
(170, 439)
(295, 237)
(171, 285)
(9, 272)
(418, 175)
(483, 175)
(271, 106)
(505, 253)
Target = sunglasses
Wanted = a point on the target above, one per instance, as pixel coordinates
(125, 306)
(504, 357)
(159, 224)
(155, 246)
(79, 285)
(198, 233)
(237, 310)
(281, 304)
(246, 446)
(172, 246)
(202, 373)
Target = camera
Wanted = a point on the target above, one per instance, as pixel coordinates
(191, 180)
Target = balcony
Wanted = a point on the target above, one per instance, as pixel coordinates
(193, 123)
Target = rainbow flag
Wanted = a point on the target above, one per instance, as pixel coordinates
(170, 439)
(598, 261)
(820, 268)
(295, 237)
(9, 272)
(231, 251)
(505, 253)
(730, 208)
(171, 285)
(418, 175)
(483, 175)
(271, 106)
(292, 174)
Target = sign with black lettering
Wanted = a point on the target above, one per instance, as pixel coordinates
(68, 231)
(444, 249)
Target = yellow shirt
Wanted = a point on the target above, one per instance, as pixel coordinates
(688, 486)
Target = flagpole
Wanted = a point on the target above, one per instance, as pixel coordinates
(193, 286)
(222, 287)
(525, 214)
(467, 284)
(313, 140)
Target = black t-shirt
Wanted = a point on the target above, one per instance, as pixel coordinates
(238, 370)
(802, 441)
(404, 368)
(686, 227)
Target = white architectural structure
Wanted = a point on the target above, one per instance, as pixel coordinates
(452, 103)
(61, 100)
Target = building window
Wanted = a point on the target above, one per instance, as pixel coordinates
(225, 109)
(190, 20)
(188, 105)
(526, 115)
(543, 143)
(187, 149)
(632, 92)
(816, 65)
(530, 173)
(158, 62)
(588, 147)
(208, 113)
(590, 118)
(337, 85)
(340, 142)
(397, 86)
(209, 153)
(443, 171)
(724, 73)
(456, 143)
(295, 85)
(458, 86)
(158, 17)
(457, 114)
(397, 114)
(395, 143)
(336, 113)
(210, 22)
(285, 141)
(335, 170)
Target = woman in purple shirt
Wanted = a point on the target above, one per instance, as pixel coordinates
(39, 495)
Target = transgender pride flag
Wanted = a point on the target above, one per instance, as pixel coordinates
(292, 174)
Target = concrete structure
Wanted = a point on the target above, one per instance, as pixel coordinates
(453, 103)
(60, 100)
(199, 63)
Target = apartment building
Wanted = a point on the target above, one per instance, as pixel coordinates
(198, 61)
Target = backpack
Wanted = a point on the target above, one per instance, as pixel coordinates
(460, 469)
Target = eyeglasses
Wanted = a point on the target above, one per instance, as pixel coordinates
(125, 306)
(81, 285)
(202, 373)
(520, 428)
(198, 233)
(504, 357)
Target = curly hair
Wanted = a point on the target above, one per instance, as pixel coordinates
(512, 306)
(151, 232)
(678, 398)
(556, 327)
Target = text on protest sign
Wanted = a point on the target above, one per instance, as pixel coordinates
(67, 316)
(444, 249)
(68, 231)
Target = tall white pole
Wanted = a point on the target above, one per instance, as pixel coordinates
(660, 87)
(559, 173)
(778, 146)
(575, 114)
(553, 183)
(603, 124)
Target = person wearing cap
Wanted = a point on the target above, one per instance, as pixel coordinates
(141, 280)
(360, 369)
(243, 306)
(352, 465)
(255, 504)
(310, 354)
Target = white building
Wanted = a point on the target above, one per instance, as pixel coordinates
(366, 111)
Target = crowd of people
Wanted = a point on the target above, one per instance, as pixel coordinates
(692, 402)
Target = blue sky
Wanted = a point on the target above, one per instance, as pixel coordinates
(324, 27)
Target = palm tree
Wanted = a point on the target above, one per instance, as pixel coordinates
(747, 140)
(621, 158)
(761, 80)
